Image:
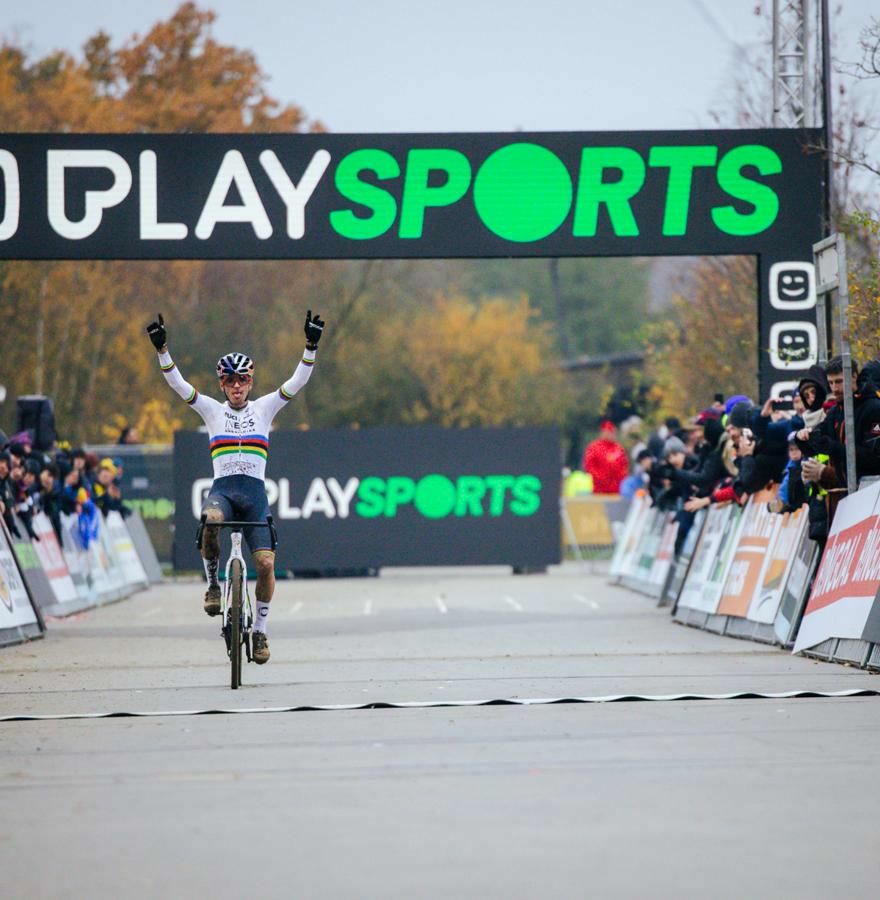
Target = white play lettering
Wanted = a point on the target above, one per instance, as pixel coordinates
(151, 227)
(200, 488)
(295, 197)
(233, 170)
(343, 496)
(285, 510)
(57, 162)
(318, 500)
(12, 192)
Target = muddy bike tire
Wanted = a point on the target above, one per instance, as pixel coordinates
(236, 578)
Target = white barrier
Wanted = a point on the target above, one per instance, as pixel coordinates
(64, 598)
(19, 619)
(44, 575)
(134, 576)
(742, 571)
(842, 618)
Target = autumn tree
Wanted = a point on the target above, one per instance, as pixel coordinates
(709, 342)
(75, 330)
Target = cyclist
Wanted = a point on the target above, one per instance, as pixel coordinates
(238, 431)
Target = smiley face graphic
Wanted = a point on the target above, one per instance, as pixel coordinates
(792, 285)
(793, 345)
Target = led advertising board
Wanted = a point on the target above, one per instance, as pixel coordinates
(325, 196)
(351, 499)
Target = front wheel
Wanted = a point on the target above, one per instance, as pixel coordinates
(236, 583)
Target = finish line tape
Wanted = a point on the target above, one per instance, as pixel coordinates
(445, 704)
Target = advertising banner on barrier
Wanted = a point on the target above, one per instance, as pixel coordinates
(663, 557)
(647, 549)
(373, 497)
(144, 547)
(681, 566)
(845, 588)
(134, 576)
(622, 562)
(794, 592)
(89, 568)
(48, 551)
(31, 569)
(102, 553)
(781, 556)
(702, 587)
(18, 618)
(77, 561)
(745, 575)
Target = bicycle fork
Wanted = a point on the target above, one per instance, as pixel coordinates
(247, 616)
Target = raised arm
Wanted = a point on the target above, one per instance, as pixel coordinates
(159, 337)
(314, 328)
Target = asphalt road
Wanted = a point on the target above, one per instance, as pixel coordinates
(708, 799)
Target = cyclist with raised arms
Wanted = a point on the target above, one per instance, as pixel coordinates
(238, 431)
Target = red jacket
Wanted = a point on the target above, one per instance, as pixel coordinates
(607, 462)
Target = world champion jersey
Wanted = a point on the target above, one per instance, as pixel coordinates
(239, 438)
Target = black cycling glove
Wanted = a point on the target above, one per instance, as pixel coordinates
(157, 333)
(314, 329)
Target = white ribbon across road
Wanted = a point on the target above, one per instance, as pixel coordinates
(432, 704)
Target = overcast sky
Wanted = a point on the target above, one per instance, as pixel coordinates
(467, 65)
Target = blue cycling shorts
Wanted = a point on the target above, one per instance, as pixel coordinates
(242, 498)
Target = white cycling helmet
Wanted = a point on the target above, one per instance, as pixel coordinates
(235, 364)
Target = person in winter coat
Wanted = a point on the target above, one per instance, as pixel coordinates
(787, 499)
(675, 489)
(813, 389)
(606, 461)
(7, 493)
(759, 461)
(50, 496)
(829, 438)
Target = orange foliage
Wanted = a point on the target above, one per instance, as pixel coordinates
(708, 344)
(75, 330)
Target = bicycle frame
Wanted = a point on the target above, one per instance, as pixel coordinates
(235, 553)
(247, 611)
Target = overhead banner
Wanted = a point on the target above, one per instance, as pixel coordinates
(755, 192)
(353, 499)
(846, 585)
(275, 196)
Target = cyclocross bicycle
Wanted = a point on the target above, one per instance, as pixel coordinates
(237, 617)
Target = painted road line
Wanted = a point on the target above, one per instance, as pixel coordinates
(441, 606)
(513, 603)
(368, 608)
(152, 611)
(587, 602)
(295, 608)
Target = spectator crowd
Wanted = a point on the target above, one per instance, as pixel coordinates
(735, 448)
(65, 481)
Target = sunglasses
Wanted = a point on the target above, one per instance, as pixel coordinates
(236, 379)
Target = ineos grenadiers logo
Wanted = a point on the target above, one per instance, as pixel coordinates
(433, 496)
(521, 192)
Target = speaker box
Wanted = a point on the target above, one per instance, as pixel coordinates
(36, 414)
